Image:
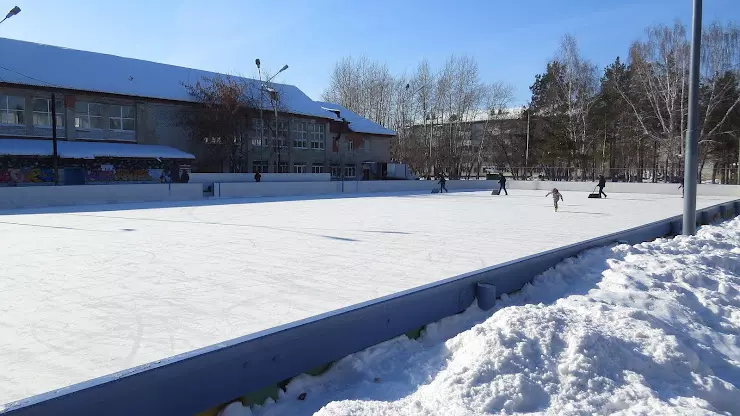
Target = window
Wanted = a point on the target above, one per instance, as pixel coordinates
(212, 140)
(299, 135)
(316, 168)
(88, 115)
(349, 171)
(11, 109)
(122, 118)
(42, 112)
(260, 166)
(336, 171)
(366, 144)
(282, 168)
(282, 132)
(350, 146)
(318, 141)
(261, 133)
(299, 168)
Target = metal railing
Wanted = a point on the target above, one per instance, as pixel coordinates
(719, 176)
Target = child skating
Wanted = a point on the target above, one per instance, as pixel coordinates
(556, 196)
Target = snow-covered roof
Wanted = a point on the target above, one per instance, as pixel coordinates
(88, 150)
(27, 63)
(357, 123)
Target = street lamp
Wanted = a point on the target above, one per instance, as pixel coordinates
(274, 98)
(276, 74)
(14, 11)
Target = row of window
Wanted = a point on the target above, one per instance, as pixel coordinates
(87, 115)
(305, 135)
(335, 170)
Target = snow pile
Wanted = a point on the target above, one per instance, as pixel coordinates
(646, 329)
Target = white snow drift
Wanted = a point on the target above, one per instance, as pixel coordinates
(645, 329)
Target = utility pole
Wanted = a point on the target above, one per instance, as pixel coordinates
(262, 120)
(54, 138)
(526, 152)
(274, 96)
(692, 141)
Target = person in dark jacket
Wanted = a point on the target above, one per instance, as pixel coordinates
(257, 177)
(602, 185)
(174, 174)
(502, 182)
(184, 177)
(442, 182)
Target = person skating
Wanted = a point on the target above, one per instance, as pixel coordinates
(442, 182)
(257, 177)
(680, 186)
(556, 196)
(502, 182)
(184, 177)
(602, 185)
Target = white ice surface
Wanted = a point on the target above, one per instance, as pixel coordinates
(88, 293)
(646, 329)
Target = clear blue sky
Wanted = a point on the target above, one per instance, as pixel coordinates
(512, 40)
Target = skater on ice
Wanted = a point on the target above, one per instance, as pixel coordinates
(602, 185)
(442, 182)
(556, 196)
(502, 182)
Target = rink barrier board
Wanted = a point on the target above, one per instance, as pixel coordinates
(56, 196)
(208, 378)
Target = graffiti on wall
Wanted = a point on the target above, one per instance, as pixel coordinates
(26, 175)
(110, 174)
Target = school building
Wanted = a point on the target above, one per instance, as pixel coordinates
(119, 120)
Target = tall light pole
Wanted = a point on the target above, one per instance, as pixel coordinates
(692, 141)
(526, 151)
(274, 98)
(14, 11)
(262, 121)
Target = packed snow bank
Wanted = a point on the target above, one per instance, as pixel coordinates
(645, 329)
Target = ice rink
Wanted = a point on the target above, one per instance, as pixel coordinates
(90, 291)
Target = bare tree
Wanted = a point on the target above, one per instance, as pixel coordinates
(579, 86)
(720, 63)
(659, 91)
(364, 87)
(219, 123)
(497, 97)
(432, 113)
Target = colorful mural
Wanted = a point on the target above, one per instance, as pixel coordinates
(122, 175)
(26, 175)
(19, 171)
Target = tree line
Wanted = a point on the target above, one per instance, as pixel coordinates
(627, 120)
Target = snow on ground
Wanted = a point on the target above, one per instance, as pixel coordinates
(647, 329)
(89, 291)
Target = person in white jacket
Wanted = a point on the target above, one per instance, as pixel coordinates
(556, 196)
